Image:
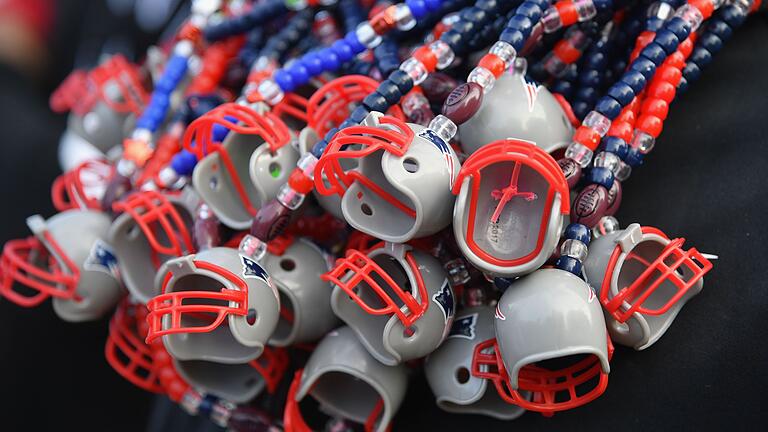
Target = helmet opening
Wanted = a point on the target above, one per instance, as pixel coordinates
(197, 282)
(653, 277)
(159, 224)
(126, 350)
(234, 382)
(285, 324)
(344, 395)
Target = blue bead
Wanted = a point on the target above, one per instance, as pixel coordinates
(433, 5)
(691, 72)
(622, 92)
(608, 107)
(165, 85)
(678, 26)
(590, 78)
(654, 52)
(487, 5)
(634, 158)
(418, 8)
(330, 134)
(653, 24)
(522, 23)
(562, 87)
(354, 44)
(342, 49)
(602, 5)
(183, 163)
(645, 66)
(531, 10)
(683, 85)
(701, 57)
(569, 264)
(587, 94)
(313, 63)
(577, 231)
(635, 80)
(596, 60)
(390, 91)
(718, 28)
(454, 39)
(347, 123)
(600, 175)
(401, 79)
(376, 102)
(299, 74)
(359, 114)
(667, 40)
(319, 148)
(502, 283)
(732, 16)
(284, 80)
(581, 108)
(615, 145)
(513, 37)
(711, 43)
(329, 59)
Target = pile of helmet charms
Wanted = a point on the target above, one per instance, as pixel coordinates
(291, 207)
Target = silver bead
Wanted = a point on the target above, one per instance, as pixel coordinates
(271, 92)
(367, 36)
(482, 76)
(443, 127)
(691, 15)
(404, 17)
(252, 247)
(289, 197)
(579, 153)
(443, 52)
(574, 249)
(598, 122)
(505, 52)
(643, 142)
(607, 160)
(415, 69)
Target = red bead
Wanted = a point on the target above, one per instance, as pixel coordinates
(567, 52)
(426, 57)
(568, 13)
(299, 182)
(627, 116)
(662, 90)
(650, 124)
(493, 63)
(656, 107)
(634, 106)
(669, 74)
(685, 47)
(677, 60)
(705, 6)
(587, 137)
(621, 130)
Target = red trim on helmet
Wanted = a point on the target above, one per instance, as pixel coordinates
(641, 289)
(126, 350)
(331, 104)
(292, 106)
(149, 208)
(520, 152)
(271, 365)
(361, 267)
(171, 303)
(57, 279)
(70, 189)
(545, 385)
(372, 139)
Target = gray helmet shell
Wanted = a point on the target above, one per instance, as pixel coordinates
(239, 342)
(384, 336)
(448, 369)
(236, 383)
(547, 314)
(347, 382)
(516, 108)
(641, 330)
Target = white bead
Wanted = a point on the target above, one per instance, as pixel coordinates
(691, 15)
(579, 153)
(607, 160)
(585, 9)
(404, 17)
(575, 249)
(271, 92)
(443, 52)
(643, 142)
(307, 165)
(443, 127)
(184, 48)
(660, 10)
(506, 52)
(598, 122)
(289, 197)
(367, 36)
(252, 247)
(415, 69)
(482, 76)
(623, 171)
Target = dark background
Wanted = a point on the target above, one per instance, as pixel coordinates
(705, 181)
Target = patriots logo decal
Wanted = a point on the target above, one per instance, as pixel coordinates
(499, 315)
(444, 299)
(253, 270)
(101, 258)
(531, 92)
(444, 149)
(464, 327)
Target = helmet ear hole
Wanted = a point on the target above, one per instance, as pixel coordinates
(366, 209)
(275, 169)
(410, 332)
(411, 165)
(462, 375)
(287, 264)
(213, 183)
(251, 317)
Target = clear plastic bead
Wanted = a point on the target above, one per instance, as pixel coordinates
(443, 52)
(404, 17)
(415, 69)
(367, 36)
(743, 6)
(579, 153)
(643, 142)
(482, 76)
(575, 249)
(505, 52)
(168, 176)
(521, 66)
(554, 65)
(190, 401)
(585, 9)
(221, 412)
(271, 92)
(307, 165)
(597, 122)
(443, 127)
(126, 168)
(578, 38)
(606, 225)
(205, 7)
(458, 274)
(252, 247)
(607, 160)
(623, 171)
(691, 15)
(551, 20)
(184, 48)
(289, 197)
(661, 10)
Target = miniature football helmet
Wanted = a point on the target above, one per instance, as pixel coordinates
(401, 186)
(66, 259)
(550, 340)
(396, 299)
(519, 109)
(83, 186)
(512, 199)
(153, 228)
(236, 177)
(346, 382)
(305, 305)
(643, 279)
(198, 292)
(126, 350)
(236, 383)
(448, 369)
